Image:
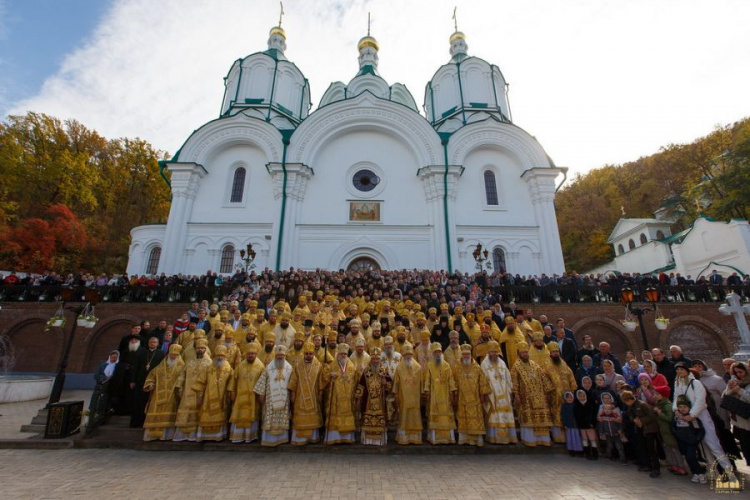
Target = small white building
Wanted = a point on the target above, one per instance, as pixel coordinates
(365, 180)
(648, 245)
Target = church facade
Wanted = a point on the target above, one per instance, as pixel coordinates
(364, 181)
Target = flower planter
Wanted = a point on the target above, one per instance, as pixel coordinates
(629, 325)
(57, 322)
(661, 324)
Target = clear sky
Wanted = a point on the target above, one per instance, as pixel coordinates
(596, 81)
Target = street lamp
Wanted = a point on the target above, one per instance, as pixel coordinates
(652, 295)
(92, 298)
(482, 257)
(248, 257)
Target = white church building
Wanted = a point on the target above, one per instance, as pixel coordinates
(365, 180)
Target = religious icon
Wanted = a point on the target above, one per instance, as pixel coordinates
(364, 211)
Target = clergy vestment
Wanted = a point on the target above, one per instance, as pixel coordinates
(360, 362)
(186, 423)
(323, 356)
(215, 385)
(508, 345)
(532, 385)
(340, 422)
(407, 386)
(371, 394)
(539, 356)
(440, 387)
(472, 388)
(245, 416)
(390, 365)
(307, 418)
(501, 427)
(161, 410)
(273, 383)
(452, 355)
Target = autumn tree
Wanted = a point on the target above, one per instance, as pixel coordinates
(60, 178)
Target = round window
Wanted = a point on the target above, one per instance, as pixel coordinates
(365, 180)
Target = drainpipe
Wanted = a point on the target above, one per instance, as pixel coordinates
(285, 138)
(444, 138)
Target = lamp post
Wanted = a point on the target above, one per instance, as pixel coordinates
(92, 296)
(652, 295)
(248, 257)
(482, 258)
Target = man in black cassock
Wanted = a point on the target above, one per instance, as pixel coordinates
(145, 361)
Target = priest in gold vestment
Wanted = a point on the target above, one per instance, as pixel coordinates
(214, 387)
(564, 380)
(245, 418)
(186, 423)
(370, 398)
(508, 340)
(340, 380)
(440, 393)
(306, 397)
(500, 423)
(273, 391)
(452, 353)
(538, 351)
(161, 410)
(473, 392)
(532, 392)
(407, 386)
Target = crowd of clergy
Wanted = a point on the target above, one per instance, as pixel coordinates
(337, 372)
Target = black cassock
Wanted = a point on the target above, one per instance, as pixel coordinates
(145, 361)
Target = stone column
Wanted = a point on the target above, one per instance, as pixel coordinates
(297, 176)
(432, 177)
(185, 181)
(541, 181)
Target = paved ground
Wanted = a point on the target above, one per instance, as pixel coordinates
(185, 475)
(40, 474)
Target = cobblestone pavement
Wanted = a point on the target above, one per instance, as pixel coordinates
(41, 474)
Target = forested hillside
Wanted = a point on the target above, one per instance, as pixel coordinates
(709, 176)
(69, 197)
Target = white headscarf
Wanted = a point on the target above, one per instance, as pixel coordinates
(109, 370)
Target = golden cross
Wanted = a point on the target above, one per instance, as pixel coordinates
(455, 20)
(281, 14)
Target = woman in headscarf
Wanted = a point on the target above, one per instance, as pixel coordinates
(102, 397)
(657, 379)
(645, 391)
(611, 377)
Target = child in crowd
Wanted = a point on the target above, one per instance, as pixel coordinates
(644, 391)
(181, 324)
(665, 415)
(647, 431)
(572, 434)
(585, 416)
(689, 432)
(610, 430)
(630, 370)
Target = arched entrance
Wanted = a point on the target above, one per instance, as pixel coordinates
(363, 264)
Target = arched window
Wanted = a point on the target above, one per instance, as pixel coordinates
(498, 258)
(659, 234)
(631, 244)
(490, 187)
(620, 249)
(238, 185)
(153, 260)
(643, 239)
(227, 259)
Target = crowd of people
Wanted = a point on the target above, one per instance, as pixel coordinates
(368, 368)
(567, 287)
